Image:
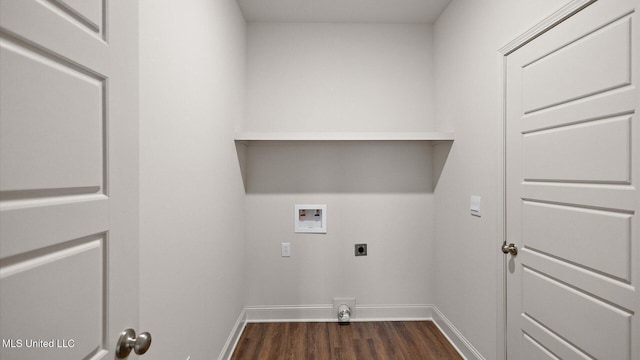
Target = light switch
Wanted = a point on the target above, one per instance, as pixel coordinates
(285, 249)
(475, 206)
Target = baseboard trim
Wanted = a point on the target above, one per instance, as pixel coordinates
(234, 336)
(393, 312)
(324, 313)
(455, 337)
(289, 313)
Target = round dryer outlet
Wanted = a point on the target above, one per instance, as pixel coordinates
(361, 249)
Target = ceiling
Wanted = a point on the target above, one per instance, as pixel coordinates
(357, 11)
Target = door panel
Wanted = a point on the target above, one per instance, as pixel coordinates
(565, 68)
(564, 230)
(51, 29)
(600, 152)
(68, 177)
(533, 338)
(580, 320)
(571, 188)
(39, 282)
(52, 133)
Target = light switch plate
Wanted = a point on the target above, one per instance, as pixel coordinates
(285, 249)
(474, 205)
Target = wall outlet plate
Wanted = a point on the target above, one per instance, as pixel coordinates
(360, 249)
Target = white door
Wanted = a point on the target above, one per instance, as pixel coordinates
(573, 171)
(68, 177)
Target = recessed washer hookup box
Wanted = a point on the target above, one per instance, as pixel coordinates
(310, 219)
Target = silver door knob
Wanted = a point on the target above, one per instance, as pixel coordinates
(128, 341)
(510, 249)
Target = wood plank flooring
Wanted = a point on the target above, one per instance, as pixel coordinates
(383, 340)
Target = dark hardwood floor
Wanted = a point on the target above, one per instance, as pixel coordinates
(409, 340)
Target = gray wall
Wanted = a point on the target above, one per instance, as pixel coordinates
(192, 70)
(340, 77)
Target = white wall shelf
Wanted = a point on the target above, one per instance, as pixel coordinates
(344, 136)
(303, 149)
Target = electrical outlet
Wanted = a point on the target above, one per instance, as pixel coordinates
(285, 249)
(361, 249)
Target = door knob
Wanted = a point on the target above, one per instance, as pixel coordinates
(510, 249)
(128, 341)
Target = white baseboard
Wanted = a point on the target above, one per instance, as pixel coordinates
(393, 312)
(234, 336)
(324, 312)
(455, 337)
(289, 313)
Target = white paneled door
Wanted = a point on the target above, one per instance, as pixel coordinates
(573, 171)
(68, 177)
